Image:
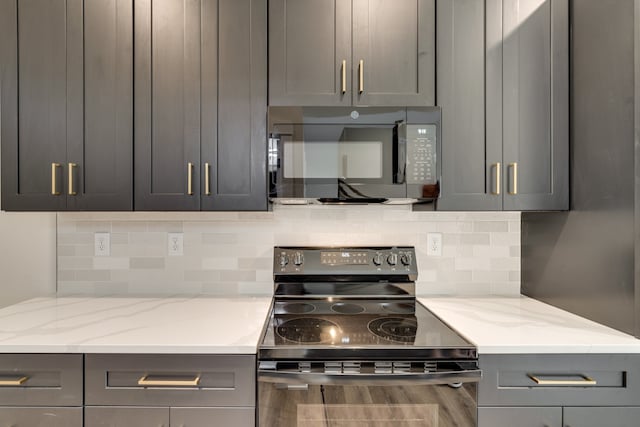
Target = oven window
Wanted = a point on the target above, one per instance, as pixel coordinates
(367, 406)
(337, 151)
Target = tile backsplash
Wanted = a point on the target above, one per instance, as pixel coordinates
(231, 252)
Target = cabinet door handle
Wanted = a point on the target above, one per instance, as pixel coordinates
(207, 187)
(71, 191)
(54, 174)
(514, 181)
(344, 76)
(581, 380)
(169, 381)
(190, 179)
(496, 188)
(361, 76)
(12, 382)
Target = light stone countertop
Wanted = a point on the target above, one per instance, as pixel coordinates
(523, 325)
(133, 325)
(202, 324)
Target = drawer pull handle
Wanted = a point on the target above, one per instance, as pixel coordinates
(164, 381)
(8, 382)
(562, 380)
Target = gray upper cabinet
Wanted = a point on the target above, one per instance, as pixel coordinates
(536, 104)
(470, 94)
(503, 88)
(352, 52)
(200, 74)
(66, 102)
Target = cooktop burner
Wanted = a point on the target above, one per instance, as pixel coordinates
(394, 328)
(399, 307)
(308, 330)
(298, 308)
(347, 308)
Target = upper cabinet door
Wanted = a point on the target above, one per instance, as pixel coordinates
(393, 52)
(234, 105)
(470, 95)
(100, 154)
(536, 104)
(167, 75)
(310, 52)
(36, 79)
(66, 93)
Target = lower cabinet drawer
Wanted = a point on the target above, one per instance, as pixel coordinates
(120, 416)
(520, 417)
(602, 417)
(125, 417)
(169, 380)
(208, 417)
(560, 380)
(41, 379)
(40, 417)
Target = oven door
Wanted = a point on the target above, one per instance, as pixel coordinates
(309, 400)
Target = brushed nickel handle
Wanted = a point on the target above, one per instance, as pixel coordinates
(361, 76)
(190, 179)
(54, 185)
(12, 382)
(167, 381)
(496, 188)
(344, 76)
(71, 191)
(207, 188)
(514, 187)
(541, 380)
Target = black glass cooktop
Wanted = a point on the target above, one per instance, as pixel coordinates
(339, 328)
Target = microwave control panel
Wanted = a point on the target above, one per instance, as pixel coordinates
(421, 154)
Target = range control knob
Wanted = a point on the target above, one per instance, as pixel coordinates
(392, 259)
(284, 260)
(377, 259)
(298, 259)
(405, 259)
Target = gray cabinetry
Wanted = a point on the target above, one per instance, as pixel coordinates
(177, 390)
(599, 417)
(41, 390)
(66, 102)
(539, 387)
(520, 417)
(352, 52)
(200, 74)
(503, 87)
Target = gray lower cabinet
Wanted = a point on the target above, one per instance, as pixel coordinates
(520, 417)
(169, 390)
(66, 99)
(570, 390)
(115, 416)
(352, 52)
(503, 85)
(41, 390)
(601, 417)
(200, 105)
(41, 417)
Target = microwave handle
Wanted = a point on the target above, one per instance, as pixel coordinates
(399, 153)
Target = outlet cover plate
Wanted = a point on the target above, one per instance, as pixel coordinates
(102, 244)
(175, 244)
(434, 244)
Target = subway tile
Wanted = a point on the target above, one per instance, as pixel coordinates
(75, 263)
(66, 250)
(219, 238)
(505, 264)
(475, 239)
(219, 263)
(237, 275)
(129, 226)
(201, 275)
(155, 263)
(110, 263)
(493, 226)
(164, 226)
(93, 275)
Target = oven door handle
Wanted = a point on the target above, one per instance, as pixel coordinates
(398, 379)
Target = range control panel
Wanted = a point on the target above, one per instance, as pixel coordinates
(383, 261)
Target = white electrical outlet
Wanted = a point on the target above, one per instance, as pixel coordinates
(102, 244)
(434, 244)
(175, 242)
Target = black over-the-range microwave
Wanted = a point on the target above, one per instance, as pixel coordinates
(354, 155)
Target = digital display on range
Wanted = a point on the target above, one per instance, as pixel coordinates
(344, 258)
